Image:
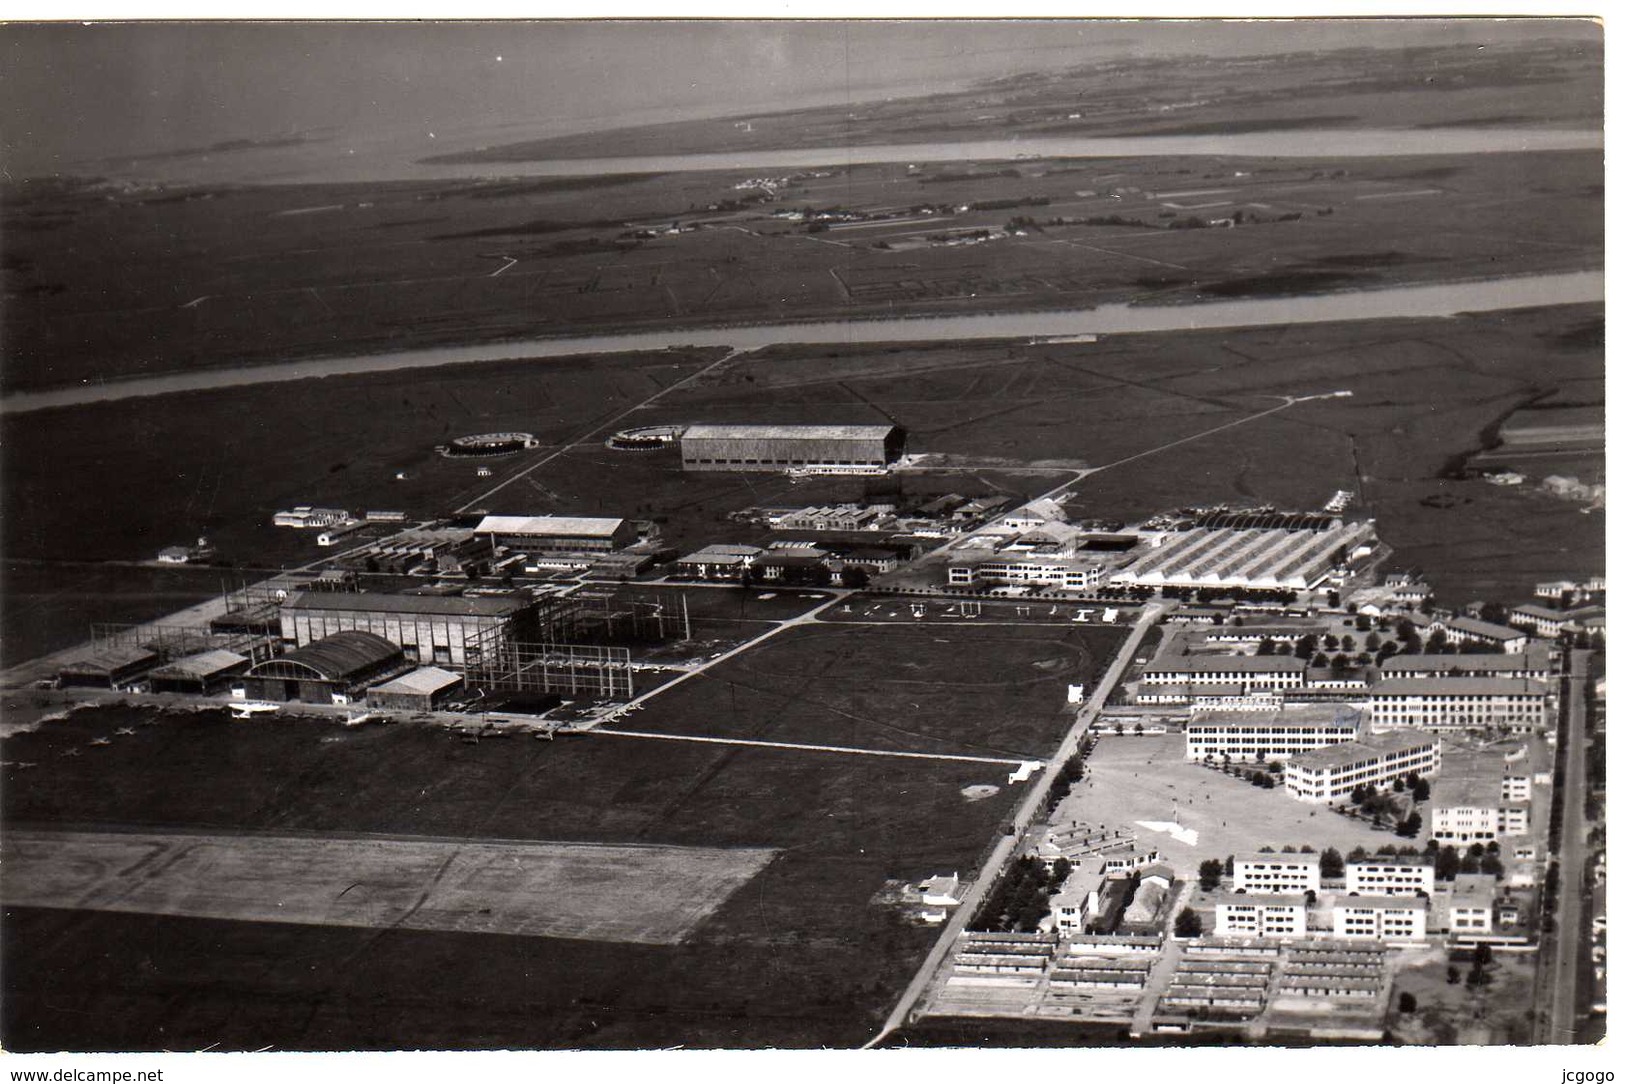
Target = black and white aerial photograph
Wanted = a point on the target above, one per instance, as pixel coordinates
(803, 534)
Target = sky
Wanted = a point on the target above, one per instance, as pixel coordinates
(73, 93)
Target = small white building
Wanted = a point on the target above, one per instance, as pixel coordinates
(1387, 920)
(1472, 903)
(1237, 915)
(1382, 876)
(1277, 873)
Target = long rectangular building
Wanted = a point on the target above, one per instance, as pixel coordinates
(781, 447)
(1532, 665)
(1248, 671)
(569, 534)
(1331, 774)
(1470, 703)
(1262, 559)
(1243, 735)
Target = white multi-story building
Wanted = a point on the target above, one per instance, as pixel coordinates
(1260, 916)
(1472, 803)
(1459, 704)
(1386, 920)
(1541, 620)
(1331, 774)
(1243, 734)
(1067, 573)
(1390, 877)
(1470, 630)
(1532, 665)
(1247, 671)
(1472, 903)
(1277, 873)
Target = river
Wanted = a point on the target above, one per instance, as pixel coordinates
(1440, 299)
(1306, 143)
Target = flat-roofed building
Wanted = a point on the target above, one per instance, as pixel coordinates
(1331, 774)
(1248, 671)
(1470, 630)
(1014, 570)
(332, 670)
(1469, 803)
(1468, 703)
(1259, 559)
(1277, 873)
(1236, 915)
(561, 534)
(203, 674)
(107, 666)
(1535, 664)
(1473, 903)
(781, 447)
(1277, 734)
(424, 689)
(1390, 876)
(428, 628)
(1389, 920)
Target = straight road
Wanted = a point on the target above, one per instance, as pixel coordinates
(850, 750)
(1023, 819)
(1571, 858)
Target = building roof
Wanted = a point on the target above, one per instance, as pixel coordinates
(340, 655)
(1383, 903)
(1328, 713)
(1530, 609)
(378, 602)
(1277, 899)
(1313, 859)
(1393, 860)
(203, 665)
(425, 681)
(110, 657)
(1522, 660)
(550, 526)
(1476, 889)
(787, 432)
(1462, 686)
(1263, 664)
(1338, 756)
(1486, 629)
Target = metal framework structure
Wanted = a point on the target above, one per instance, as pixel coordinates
(174, 641)
(498, 664)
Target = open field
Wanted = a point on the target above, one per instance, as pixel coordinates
(108, 283)
(645, 895)
(1547, 81)
(800, 956)
(1147, 778)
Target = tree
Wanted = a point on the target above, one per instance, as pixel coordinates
(1320, 660)
(1358, 854)
(1229, 865)
(1347, 644)
(1060, 871)
(1452, 975)
(1331, 864)
(1411, 826)
(1210, 872)
(1373, 642)
(1362, 622)
(1188, 924)
(1399, 786)
(1436, 642)
(1266, 646)
(1421, 789)
(1447, 863)
(1407, 1002)
(1329, 642)
(1492, 865)
(1306, 647)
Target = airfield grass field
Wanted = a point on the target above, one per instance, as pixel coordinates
(1425, 394)
(105, 283)
(800, 955)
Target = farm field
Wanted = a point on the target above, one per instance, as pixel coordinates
(799, 956)
(148, 282)
(643, 895)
